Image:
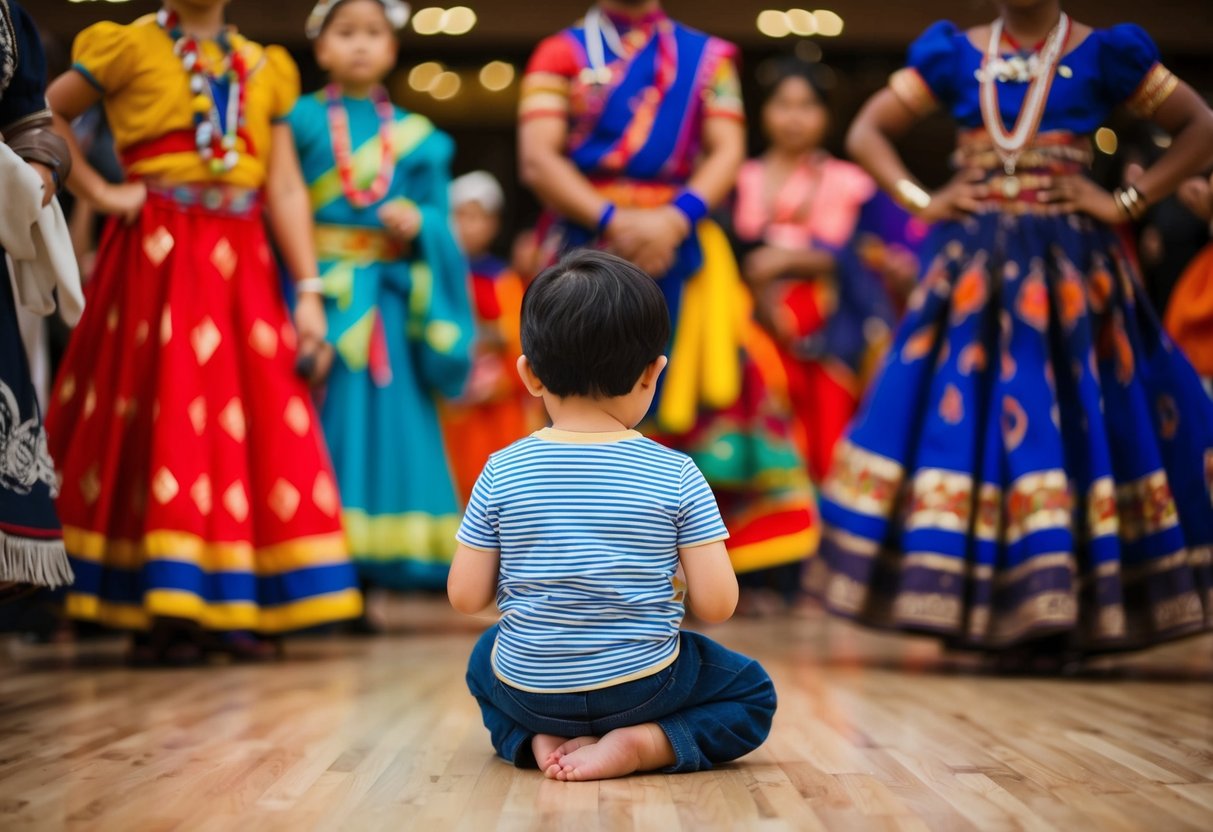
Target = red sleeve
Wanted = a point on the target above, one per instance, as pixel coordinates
(557, 55)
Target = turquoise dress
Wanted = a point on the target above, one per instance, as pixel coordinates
(400, 320)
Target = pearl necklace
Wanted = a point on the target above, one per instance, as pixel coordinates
(1010, 146)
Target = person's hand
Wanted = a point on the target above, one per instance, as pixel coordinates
(1078, 194)
(315, 354)
(48, 182)
(648, 237)
(124, 201)
(958, 199)
(401, 219)
(1196, 194)
(765, 264)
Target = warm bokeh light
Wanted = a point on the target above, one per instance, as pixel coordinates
(829, 24)
(774, 24)
(428, 21)
(445, 86)
(1106, 141)
(422, 76)
(457, 21)
(496, 75)
(802, 22)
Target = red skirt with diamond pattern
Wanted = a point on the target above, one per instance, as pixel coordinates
(195, 483)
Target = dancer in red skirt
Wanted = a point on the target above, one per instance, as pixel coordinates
(198, 501)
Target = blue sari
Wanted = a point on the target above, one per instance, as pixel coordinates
(401, 324)
(1035, 460)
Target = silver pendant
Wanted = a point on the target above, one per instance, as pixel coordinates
(1010, 187)
(596, 77)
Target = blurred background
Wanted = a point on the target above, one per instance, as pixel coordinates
(460, 65)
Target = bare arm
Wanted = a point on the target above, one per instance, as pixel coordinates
(711, 581)
(1190, 122)
(870, 141)
(70, 95)
(546, 170)
(724, 153)
(290, 208)
(471, 584)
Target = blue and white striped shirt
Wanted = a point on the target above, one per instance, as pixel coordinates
(588, 527)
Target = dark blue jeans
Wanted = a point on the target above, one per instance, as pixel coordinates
(714, 705)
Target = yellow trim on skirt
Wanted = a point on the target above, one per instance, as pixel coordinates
(209, 556)
(171, 603)
(412, 536)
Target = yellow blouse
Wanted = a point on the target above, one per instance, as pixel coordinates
(146, 95)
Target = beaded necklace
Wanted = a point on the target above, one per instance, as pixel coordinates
(339, 129)
(215, 137)
(1011, 145)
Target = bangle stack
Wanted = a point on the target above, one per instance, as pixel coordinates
(911, 196)
(310, 286)
(1131, 201)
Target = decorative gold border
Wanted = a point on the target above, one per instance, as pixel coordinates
(913, 91)
(1154, 89)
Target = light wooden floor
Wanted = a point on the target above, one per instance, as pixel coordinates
(873, 732)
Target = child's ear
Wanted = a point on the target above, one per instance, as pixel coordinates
(525, 372)
(649, 377)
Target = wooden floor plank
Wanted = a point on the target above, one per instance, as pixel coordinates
(873, 732)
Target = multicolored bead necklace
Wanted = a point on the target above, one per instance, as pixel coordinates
(339, 129)
(216, 137)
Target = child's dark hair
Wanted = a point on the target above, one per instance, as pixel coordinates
(592, 323)
(774, 72)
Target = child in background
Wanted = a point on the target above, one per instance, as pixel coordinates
(395, 290)
(581, 532)
(198, 502)
(495, 409)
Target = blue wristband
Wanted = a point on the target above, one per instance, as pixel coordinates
(692, 206)
(605, 218)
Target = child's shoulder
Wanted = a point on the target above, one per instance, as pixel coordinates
(640, 449)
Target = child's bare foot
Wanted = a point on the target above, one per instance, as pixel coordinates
(619, 752)
(549, 764)
(544, 746)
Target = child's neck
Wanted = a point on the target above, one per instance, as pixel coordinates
(352, 89)
(1030, 25)
(583, 415)
(204, 22)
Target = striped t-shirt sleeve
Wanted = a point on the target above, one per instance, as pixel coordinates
(479, 528)
(699, 520)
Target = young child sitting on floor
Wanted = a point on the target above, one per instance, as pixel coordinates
(579, 532)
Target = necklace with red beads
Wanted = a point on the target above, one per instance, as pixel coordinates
(216, 137)
(339, 129)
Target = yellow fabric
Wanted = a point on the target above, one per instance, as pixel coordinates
(146, 94)
(322, 609)
(417, 535)
(704, 368)
(210, 556)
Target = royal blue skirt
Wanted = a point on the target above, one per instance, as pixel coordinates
(1035, 457)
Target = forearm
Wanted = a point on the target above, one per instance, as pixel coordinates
(873, 149)
(717, 173)
(83, 179)
(562, 187)
(290, 215)
(1191, 124)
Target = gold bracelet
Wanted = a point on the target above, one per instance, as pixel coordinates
(911, 195)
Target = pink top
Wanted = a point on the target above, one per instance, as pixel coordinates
(819, 204)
